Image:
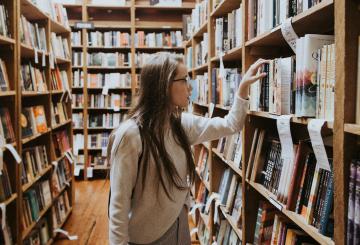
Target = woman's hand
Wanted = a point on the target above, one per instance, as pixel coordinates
(252, 75)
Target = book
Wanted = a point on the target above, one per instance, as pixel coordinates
(225, 185)
(76, 38)
(109, 59)
(35, 161)
(4, 21)
(59, 113)
(109, 39)
(4, 79)
(32, 34)
(358, 87)
(7, 134)
(351, 203)
(236, 212)
(77, 58)
(199, 92)
(199, 16)
(60, 209)
(32, 78)
(111, 101)
(78, 78)
(158, 40)
(201, 51)
(61, 142)
(357, 205)
(5, 185)
(59, 80)
(60, 46)
(60, 177)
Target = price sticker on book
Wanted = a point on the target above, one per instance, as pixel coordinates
(314, 128)
(289, 34)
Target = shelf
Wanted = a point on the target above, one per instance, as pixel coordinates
(101, 88)
(61, 191)
(202, 68)
(58, 28)
(225, 7)
(199, 32)
(108, 48)
(298, 120)
(76, 47)
(34, 93)
(221, 107)
(107, 6)
(27, 231)
(66, 218)
(186, 6)
(78, 129)
(201, 104)
(69, 121)
(57, 92)
(31, 138)
(77, 108)
(101, 128)
(107, 109)
(109, 68)
(96, 167)
(72, 5)
(153, 25)
(31, 11)
(26, 186)
(7, 93)
(352, 128)
(6, 40)
(60, 60)
(302, 23)
(234, 54)
(296, 218)
(77, 67)
(117, 25)
(10, 199)
(231, 221)
(160, 48)
(231, 164)
(29, 52)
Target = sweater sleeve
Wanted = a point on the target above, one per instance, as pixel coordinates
(200, 129)
(125, 153)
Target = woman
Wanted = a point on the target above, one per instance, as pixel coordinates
(150, 154)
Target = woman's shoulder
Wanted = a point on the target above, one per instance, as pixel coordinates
(127, 133)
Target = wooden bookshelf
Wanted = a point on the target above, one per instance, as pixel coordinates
(328, 17)
(137, 15)
(15, 53)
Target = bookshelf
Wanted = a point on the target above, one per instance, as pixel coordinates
(133, 18)
(329, 17)
(38, 145)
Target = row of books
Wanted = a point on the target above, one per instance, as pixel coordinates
(32, 78)
(163, 39)
(353, 216)
(231, 149)
(61, 142)
(225, 234)
(76, 38)
(78, 120)
(200, 89)
(4, 79)
(228, 31)
(199, 16)
(56, 11)
(96, 159)
(77, 101)
(35, 161)
(304, 85)
(59, 113)
(33, 35)
(201, 51)
(272, 228)
(301, 186)
(60, 176)
(202, 166)
(60, 79)
(78, 78)
(40, 234)
(7, 133)
(60, 46)
(33, 121)
(109, 59)
(109, 39)
(189, 58)
(98, 140)
(4, 21)
(264, 15)
(6, 190)
(224, 86)
(77, 58)
(60, 209)
(35, 200)
(108, 120)
(111, 101)
(142, 58)
(109, 80)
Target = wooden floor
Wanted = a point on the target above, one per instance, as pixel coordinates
(89, 219)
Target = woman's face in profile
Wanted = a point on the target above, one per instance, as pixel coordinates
(180, 88)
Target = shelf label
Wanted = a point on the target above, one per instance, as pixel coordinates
(194, 231)
(84, 25)
(314, 128)
(212, 197)
(71, 238)
(14, 153)
(289, 34)
(275, 203)
(105, 90)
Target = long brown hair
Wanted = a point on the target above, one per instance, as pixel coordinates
(154, 113)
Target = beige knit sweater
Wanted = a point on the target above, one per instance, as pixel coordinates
(142, 218)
